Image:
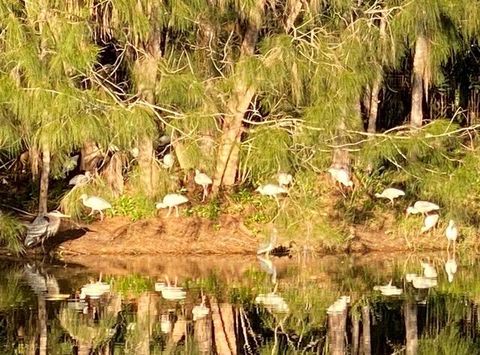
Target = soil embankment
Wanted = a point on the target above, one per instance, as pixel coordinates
(227, 235)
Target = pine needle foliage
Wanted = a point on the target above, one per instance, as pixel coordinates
(10, 232)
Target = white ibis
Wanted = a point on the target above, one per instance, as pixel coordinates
(389, 289)
(422, 207)
(134, 151)
(430, 222)
(429, 270)
(339, 306)
(390, 194)
(80, 179)
(203, 180)
(200, 311)
(172, 292)
(451, 269)
(284, 179)
(341, 175)
(451, 233)
(43, 227)
(96, 204)
(272, 190)
(168, 161)
(171, 201)
(266, 248)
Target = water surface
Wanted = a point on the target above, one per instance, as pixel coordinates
(371, 304)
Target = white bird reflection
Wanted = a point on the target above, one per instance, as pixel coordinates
(272, 302)
(170, 292)
(200, 311)
(339, 306)
(266, 264)
(389, 289)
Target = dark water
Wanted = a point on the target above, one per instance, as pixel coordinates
(241, 305)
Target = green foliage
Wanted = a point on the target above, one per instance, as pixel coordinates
(136, 207)
(447, 341)
(210, 210)
(10, 232)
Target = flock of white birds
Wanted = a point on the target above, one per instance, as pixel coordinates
(339, 174)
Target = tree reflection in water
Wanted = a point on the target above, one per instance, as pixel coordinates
(251, 313)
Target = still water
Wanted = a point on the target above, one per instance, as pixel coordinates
(373, 304)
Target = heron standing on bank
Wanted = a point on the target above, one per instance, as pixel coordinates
(43, 227)
(203, 180)
(451, 233)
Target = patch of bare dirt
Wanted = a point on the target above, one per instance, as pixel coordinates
(182, 235)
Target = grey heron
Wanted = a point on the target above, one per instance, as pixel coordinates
(266, 248)
(203, 180)
(390, 194)
(96, 204)
(451, 233)
(43, 227)
(422, 207)
(171, 201)
(267, 265)
(80, 179)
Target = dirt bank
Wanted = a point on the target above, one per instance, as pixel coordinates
(228, 235)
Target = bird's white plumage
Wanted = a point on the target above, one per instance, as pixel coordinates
(430, 222)
(203, 180)
(341, 175)
(388, 290)
(390, 193)
(451, 269)
(429, 270)
(171, 201)
(422, 207)
(284, 179)
(134, 151)
(451, 232)
(168, 161)
(271, 190)
(95, 203)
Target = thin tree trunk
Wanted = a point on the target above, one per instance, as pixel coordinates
(367, 345)
(411, 328)
(113, 173)
(355, 334)
(227, 156)
(224, 341)
(203, 335)
(377, 84)
(42, 324)
(89, 155)
(83, 349)
(43, 198)
(337, 326)
(419, 80)
(147, 311)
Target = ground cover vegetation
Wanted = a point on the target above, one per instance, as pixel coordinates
(242, 90)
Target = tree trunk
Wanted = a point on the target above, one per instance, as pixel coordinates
(42, 324)
(228, 152)
(377, 84)
(355, 334)
(419, 80)
(113, 173)
(147, 311)
(411, 331)
(89, 155)
(83, 349)
(337, 326)
(367, 345)
(43, 198)
(203, 335)
(222, 318)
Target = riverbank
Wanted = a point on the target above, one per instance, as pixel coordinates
(226, 235)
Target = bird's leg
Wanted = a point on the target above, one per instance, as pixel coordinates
(276, 200)
(101, 215)
(176, 211)
(454, 246)
(392, 202)
(169, 211)
(448, 246)
(91, 212)
(205, 193)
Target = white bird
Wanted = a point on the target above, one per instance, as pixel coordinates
(96, 204)
(80, 179)
(451, 233)
(388, 290)
(430, 222)
(429, 270)
(168, 161)
(202, 180)
(341, 175)
(451, 269)
(390, 193)
(200, 311)
(272, 191)
(170, 201)
(339, 306)
(422, 207)
(284, 179)
(134, 151)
